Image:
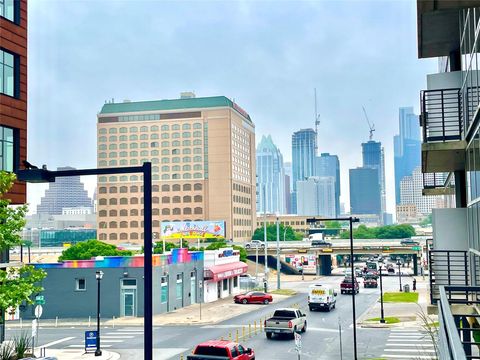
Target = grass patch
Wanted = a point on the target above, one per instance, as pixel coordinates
(410, 297)
(284, 292)
(388, 320)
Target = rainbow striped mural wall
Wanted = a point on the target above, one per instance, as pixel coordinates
(175, 257)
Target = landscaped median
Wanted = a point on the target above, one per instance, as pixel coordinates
(400, 297)
(388, 320)
(287, 292)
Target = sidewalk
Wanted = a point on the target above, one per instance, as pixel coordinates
(74, 354)
(407, 313)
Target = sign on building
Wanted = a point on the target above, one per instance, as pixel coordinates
(192, 229)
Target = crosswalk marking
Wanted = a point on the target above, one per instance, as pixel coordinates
(409, 343)
(82, 346)
(58, 341)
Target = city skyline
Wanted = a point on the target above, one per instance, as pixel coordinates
(391, 78)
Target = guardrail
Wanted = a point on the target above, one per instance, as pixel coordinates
(450, 345)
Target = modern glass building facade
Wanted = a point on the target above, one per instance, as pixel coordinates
(303, 159)
(270, 178)
(373, 157)
(364, 191)
(329, 165)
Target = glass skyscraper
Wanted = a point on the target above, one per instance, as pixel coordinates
(271, 178)
(373, 157)
(328, 165)
(364, 191)
(407, 147)
(303, 159)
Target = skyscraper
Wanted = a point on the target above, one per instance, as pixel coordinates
(271, 178)
(407, 147)
(364, 191)
(303, 159)
(373, 157)
(316, 196)
(328, 165)
(64, 192)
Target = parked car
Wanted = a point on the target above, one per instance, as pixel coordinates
(221, 350)
(255, 244)
(321, 297)
(409, 242)
(370, 283)
(285, 321)
(253, 297)
(346, 286)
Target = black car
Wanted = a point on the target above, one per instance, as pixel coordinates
(321, 243)
(409, 242)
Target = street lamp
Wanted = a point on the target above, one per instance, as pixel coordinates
(278, 254)
(382, 315)
(399, 274)
(98, 276)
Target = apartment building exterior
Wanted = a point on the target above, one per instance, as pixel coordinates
(13, 90)
(450, 123)
(203, 165)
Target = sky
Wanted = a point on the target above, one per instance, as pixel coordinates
(266, 55)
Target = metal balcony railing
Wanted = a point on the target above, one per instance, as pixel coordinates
(441, 115)
(449, 345)
(447, 267)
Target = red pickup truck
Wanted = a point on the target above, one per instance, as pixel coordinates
(347, 288)
(221, 350)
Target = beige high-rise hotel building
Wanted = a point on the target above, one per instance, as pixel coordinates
(203, 165)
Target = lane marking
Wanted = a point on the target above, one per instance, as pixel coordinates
(407, 357)
(58, 341)
(103, 341)
(409, 350)
(116, 336)
(322, 329)
(409, 345)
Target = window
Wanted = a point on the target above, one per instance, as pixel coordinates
(186, 134)
(179, 286)
(197, 142)
(164, 128)
(186, 142)
(225, 284)
(133, 137)
(197, 158)
(164, 291)
(143, 128)
(187, 176)
(187, 159)
(175, 127)
(133, 129)
(165, 143)
(186, 151)
(123, 130)
(154, 128)
(186, 127)
(144, 137)
(7, 148)
(197, 134)
(154, 136)
(123, 137)
(112, 138)
(176, 168)
(80, 284)
(197, 126)
(197, 186)
(175, 143)
(9, 73)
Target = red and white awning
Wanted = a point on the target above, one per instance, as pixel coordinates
(225, 271)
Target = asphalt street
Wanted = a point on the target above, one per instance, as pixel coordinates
(321, 341)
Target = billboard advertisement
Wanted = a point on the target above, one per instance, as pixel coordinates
(192, 229)
(305, 261)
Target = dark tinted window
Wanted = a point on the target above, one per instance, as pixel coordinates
(210, 350)
(285, 313)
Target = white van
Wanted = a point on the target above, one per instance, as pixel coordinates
(321, 297)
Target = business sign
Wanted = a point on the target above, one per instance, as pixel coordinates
(307, 262)
(228, 253)
(90, 340)
(192, 229)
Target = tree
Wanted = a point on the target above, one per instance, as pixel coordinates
(17, 283)
(427, 221)
(381, 232)
(85, 250)
(290, 234)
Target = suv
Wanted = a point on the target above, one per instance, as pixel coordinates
(407, 242)
(320, 243)
(221, 350)
(255, 244)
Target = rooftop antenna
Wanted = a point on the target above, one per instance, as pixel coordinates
(371, 126)
(317, 121)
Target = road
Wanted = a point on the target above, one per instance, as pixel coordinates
(321, 341)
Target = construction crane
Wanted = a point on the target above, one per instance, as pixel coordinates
(317, 121)
(371, 126)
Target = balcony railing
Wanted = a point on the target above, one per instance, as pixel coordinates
(441, 115)
(447, 267)
(449, 345)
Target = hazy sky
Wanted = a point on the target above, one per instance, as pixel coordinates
(267, 55)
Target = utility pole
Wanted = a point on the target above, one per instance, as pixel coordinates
(265, 235)
(278, 254)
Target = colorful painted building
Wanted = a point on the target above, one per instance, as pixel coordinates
(70, 288)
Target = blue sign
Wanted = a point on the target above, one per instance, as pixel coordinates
(90, 340)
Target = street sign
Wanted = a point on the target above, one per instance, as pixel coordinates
(38, 311)
(416, 248)
(34, 327)
(39, 300)
(298, 341)
(90, 340)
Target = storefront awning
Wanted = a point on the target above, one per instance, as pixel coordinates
(225, 271)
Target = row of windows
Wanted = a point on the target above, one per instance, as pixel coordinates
(165, 211)
(133, 235)
(113, 162)
(242, 233)
(241, 211)
(155, 200)
(134, 129)
(242, 222)
(8, 73)
(241, 188)
(241, 199)
(124, 146)
(134, 153)
(155, 177)
(155, 188)
(133, 137)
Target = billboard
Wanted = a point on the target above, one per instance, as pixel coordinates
(192, 229)
(307, 262)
